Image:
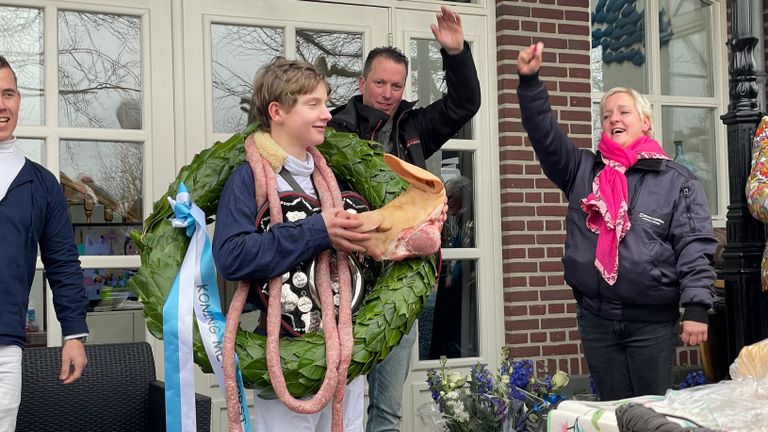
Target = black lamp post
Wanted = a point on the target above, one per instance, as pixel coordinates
(746, 304)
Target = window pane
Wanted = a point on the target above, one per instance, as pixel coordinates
(32, 149)
(685, 35)
(238, 52)
(428, 77)
(338, 54)
(99, 70)
(21, 42)
(618, 45)
(103, 185)
(448, 325)
(689, 137)
(456, 170)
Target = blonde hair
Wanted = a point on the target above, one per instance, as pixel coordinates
(282, 81)
(641, 104)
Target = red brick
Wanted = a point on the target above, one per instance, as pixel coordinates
(547, 27)
(522, 267)
(561, 349)
(573, 367)
(544, 183)
(576, 115)
(556, 308)
(515, 311)
(556, 280)
(574, 335)
(527, 324)
(510, 126)
(556, 14)
(505, 9)
(557, 323)
(553, 197)
(535, 225)
(573, 29)
(578, 72)
(561, 294)
(577, 3)
(537, 310)
(575, 87)
(520, 296)
(557, 336)
(553, 43)
(517, 239)
(566, 57)
(554, 71)
(550, 238)
(553, 225)
(518, 211)
(550, 210)
(518, 183)
(571, 308)
(513, 225)
(516, 40)
(535, 253)
(527, 351)
(533, 170)
(512, 197)
(581, 128)
(550, 266)
(554, 252)
(537, 281)
(538, 337)
(579, 45)
(529, 26)
(507, 24)
(508, 169)
(558, 101)
(580, 16)
(516, 281)
(579, 101)
(533, 197)
(516, 338)
(511, 253)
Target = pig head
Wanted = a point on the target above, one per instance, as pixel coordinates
(410, 224)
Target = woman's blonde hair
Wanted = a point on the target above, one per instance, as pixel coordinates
(282, 81)
(641, 104)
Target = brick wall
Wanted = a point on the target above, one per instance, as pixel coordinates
(539, 308)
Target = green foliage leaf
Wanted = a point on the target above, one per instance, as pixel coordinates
(389, 310)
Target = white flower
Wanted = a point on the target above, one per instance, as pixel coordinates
(455, 380)
(559, 380)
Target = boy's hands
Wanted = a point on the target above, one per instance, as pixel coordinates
(340, 225)
(529, 59)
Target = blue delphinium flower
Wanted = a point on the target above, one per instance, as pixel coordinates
(482, 379)
(693, 379)
(522, 371)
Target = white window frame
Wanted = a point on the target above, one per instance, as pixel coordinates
(718, 102)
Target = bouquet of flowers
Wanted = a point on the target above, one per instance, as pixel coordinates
(514, 399)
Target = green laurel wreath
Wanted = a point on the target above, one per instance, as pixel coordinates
(388, 312)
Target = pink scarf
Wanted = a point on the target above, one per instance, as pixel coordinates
(606, 206)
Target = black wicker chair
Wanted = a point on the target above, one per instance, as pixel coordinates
(117, 392)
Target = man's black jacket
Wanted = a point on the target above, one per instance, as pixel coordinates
(420, 132)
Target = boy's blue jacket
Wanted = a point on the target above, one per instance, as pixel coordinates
(240, 256)
(34, 212)
(665, 259)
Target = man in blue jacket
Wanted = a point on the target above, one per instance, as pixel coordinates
(33, 212)
(379, 113)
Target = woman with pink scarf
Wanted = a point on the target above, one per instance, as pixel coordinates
(639, 242)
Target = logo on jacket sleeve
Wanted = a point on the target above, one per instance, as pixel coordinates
(651, 219)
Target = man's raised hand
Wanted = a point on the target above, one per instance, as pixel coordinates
(448, 31)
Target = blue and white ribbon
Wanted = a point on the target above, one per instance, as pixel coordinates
(195, 288)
